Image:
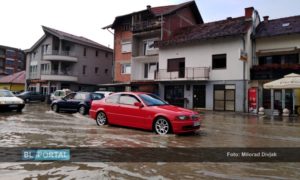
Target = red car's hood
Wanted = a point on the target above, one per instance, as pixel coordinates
(176, 109)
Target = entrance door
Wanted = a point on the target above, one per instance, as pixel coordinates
(175, 95)
(199, 96)
(224, 97)
(181, 69)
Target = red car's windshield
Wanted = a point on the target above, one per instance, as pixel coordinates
(152, 100)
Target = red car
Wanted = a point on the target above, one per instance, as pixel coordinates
(144, 111)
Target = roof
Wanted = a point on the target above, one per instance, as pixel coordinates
(225, 28)
(69, 37)
(16, 78)
(8, 47)
(162, 11)
(278, 27)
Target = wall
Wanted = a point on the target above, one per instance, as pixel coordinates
(279, 42)
(91, 61)
(181, 18)
(200, 55)
(119, 56)
(13, 87)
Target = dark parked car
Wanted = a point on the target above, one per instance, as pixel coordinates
(78, 101)
(28, 96)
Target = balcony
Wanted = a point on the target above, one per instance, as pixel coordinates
(198, 73)
(146, 25)
(54, 55)
(273, 71)
(59, 76)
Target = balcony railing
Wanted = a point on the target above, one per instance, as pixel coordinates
(273, 71)
(61, 73)
(59, 53)
(146, 25)
(197, 73)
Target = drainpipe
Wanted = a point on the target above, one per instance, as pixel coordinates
(244, 76)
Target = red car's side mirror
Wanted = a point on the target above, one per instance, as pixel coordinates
(138, 104)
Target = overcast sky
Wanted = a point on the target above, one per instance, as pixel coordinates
(21, 20)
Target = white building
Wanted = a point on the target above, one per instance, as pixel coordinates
(202, 66)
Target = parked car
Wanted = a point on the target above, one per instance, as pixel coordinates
(58, 94)
(8, 101)
(28, 96)
(76, 101)
(105, 93)
(144, 111)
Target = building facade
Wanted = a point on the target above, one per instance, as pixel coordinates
(61, 60)
(207, 66)
(12, 60)
(136, 57)
(277, 51)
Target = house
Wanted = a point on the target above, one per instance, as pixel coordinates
(136, 57)
(12, 60)
(61, 60)
(277, 49)
(14, 82)
(207, 65)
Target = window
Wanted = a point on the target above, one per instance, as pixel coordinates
(96, 53)
(83, 69)
(106, 54)
(112, 99)
(219, 61)
(126, 46)
(80, 96)
(146, 70)
(175, 64)
(9, 71)
(126, 69)
(128, 99)
(45, 68)
(10, 62)
(70, 96)
(96, 70)
(106, 71)
(84, 51)
(149, 48)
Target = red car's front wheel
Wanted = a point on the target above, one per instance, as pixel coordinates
(162, 126)
(101, 119)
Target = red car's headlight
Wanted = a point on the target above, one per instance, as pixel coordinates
(183, 117)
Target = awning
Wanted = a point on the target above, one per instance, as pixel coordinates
(290, 81)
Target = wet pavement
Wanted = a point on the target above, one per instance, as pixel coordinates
(38, 126)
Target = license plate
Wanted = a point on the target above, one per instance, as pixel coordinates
(197, 123)
(13, 106)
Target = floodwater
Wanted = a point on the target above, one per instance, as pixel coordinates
(38, 126)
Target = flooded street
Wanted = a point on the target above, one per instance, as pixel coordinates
(37, 126)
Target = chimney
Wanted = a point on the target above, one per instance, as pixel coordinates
(266, 19)
(148, 7)
(249, 12)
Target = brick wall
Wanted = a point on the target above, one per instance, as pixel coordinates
(121, 35)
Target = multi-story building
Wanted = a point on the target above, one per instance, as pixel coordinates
(12, 60)
(136, 58)
(207, 65)
(277, 50)
(61, 60)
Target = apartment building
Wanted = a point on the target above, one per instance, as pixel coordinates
(277, 51)
(207, 65)
(136, 57)
(61, 60)
(12, 60)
